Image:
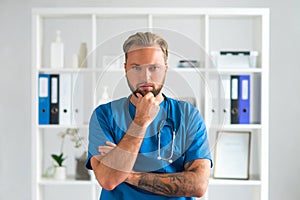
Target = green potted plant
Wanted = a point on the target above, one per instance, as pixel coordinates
(81, 171)
(60, 170)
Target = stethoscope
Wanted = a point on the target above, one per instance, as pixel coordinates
(173, 128)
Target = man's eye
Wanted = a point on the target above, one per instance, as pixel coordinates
(137, 68)
(153, 68)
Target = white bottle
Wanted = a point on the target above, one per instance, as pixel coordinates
(57, 52)
(82, 57)
(105, 97)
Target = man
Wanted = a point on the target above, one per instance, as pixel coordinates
(151, 146)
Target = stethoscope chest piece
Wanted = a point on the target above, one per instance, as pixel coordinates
(160, 158)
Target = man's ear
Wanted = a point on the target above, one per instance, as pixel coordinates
(125, 67)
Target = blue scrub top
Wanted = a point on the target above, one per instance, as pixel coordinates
(109, 122)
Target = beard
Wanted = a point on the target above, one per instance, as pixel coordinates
(155, 91)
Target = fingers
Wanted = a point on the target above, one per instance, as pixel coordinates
(103, 150)
(110, 144)
(146, 109)
(139, 96)
(146, 96)
(149, 95)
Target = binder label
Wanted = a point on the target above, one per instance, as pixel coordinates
(234, 89)
(54, 93)
(43, 87)
(245, 88)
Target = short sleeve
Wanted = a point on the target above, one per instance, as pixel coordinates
(99, 132)
(197, 146)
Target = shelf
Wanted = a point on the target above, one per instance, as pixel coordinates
(69, 181)
(57, 126)
(53, 12)
(171, 69)
(77, 70)
(239, 126)
(212, 182)
(175, 69)
(223, 182)
(235, 71)
(69, 70)
(192, 33)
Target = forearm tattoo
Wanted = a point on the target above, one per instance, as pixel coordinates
(171, 184)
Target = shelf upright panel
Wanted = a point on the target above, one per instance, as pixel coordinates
(94, 39)
(36, 63)
(150, 22)
(206, 63)
(94, 83)
(206, 36)
(92, 53)
(265, 105)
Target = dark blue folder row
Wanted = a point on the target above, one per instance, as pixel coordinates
(48, 94)
(240, 99)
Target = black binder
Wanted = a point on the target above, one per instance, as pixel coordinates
(234, 97)
(54, 99)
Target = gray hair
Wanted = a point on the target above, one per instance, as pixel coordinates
(146, 39)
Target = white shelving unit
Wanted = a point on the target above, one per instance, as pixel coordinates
(191, 33)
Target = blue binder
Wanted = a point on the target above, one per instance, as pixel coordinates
(244, 99)
(44, 98)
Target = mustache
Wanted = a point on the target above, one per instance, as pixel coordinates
(143, 84)
(155, 91)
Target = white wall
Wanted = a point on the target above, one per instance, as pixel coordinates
(15, 58)
(15, 65)
(285, 99)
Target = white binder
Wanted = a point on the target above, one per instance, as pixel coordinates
(255, 99)
(65, 94)
(77, 99)
(212, 109)
(224, 94)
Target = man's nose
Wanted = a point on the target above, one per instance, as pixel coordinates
(146, 74)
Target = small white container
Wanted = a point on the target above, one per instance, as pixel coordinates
(57, 52)
(234, 59)
(60, 173)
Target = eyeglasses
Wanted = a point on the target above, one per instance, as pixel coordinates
(152, 68)
(162, 124)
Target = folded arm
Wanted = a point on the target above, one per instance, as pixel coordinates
(191, 182)
(113, 168)
(115, 165)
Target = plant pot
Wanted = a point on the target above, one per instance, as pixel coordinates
(60, 173)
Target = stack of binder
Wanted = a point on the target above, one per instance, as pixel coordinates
(240, 101)
(237, 99)
(55, 100)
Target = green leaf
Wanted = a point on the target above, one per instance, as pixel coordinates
(58, 158)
